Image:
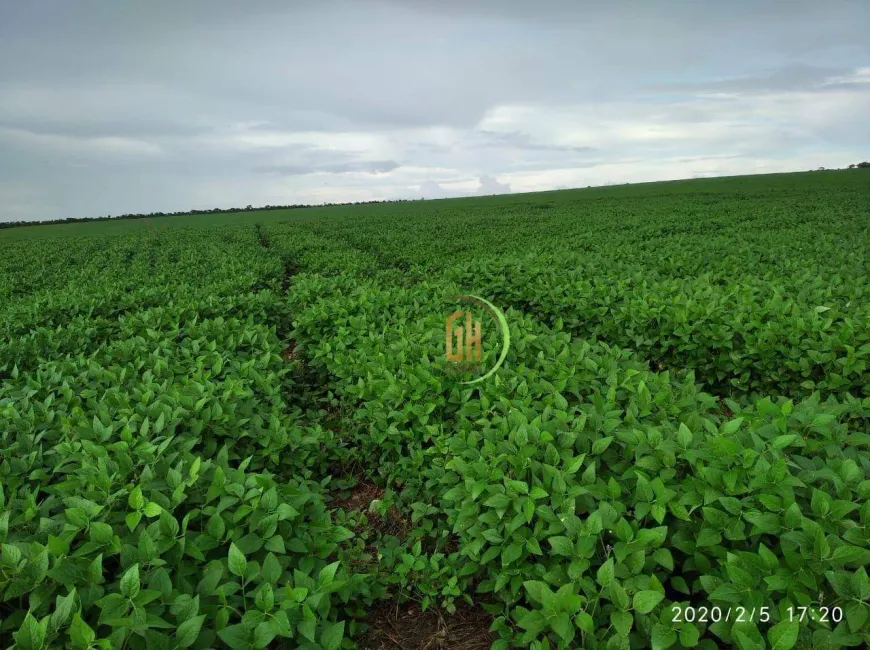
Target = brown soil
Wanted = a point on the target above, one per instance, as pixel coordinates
(405, 627)
(289, 354)
(333, 422)
(361, 496)
(451, 545)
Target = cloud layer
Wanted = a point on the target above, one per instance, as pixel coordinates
(161, 107)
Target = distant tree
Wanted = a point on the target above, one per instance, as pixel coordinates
(852, 166)
(864, 165)
(821, 169)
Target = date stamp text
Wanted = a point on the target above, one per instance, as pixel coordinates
(738, 614)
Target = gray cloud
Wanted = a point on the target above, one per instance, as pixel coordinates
(789, 78)
(367, 167)
(164, 105)
(488, 185)
(517, 140)
(433, 190)
(485, 185)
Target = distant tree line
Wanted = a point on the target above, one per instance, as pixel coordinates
(150, 215)
(860, 165)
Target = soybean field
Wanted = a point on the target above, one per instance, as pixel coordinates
(239, 431)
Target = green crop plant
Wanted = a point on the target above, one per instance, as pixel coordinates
(239, 431)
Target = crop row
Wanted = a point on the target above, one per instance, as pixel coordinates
(586, 493)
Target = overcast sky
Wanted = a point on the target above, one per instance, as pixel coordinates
(116, 107)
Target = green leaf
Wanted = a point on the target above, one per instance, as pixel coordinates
(562, 546)
(860, 584)
(684, 436)
(332, 635)
(271, 570)
(600, 445)
(236, 561)
(265, 599)
(770, 560)
(784, 634)
(539, 591)
(136, 500)
(188, 632)
(562, 626)
(781, 442)
(689, 635)
(63, 610)
(298, 594)
(511, 554)
(664, 557)
(584, 622)
(10, 555)
(708, 537)
(622, 622)
(307, 628)
(746, 642)
(130, 582)
(498, 501)
(728, 593)
(848, 554)
(820, 503)
(235, 636)
(571, 468)
(275, 544)
(95, 570)
(856, 615)
(645, 601)
(101, 534)
(147, 548)
(662, 637)
(529, 509)
(793, 517)
(519, 487)
(264, 633)
(618, 595)
(280, 623)
(605, 573)
(624, 531)
(31, 634)
(327, 574)
(133, 520)
(80, 633)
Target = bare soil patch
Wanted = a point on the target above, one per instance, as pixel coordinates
(405, 627)
(361, 495)
(289, 354)
(359, 500)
